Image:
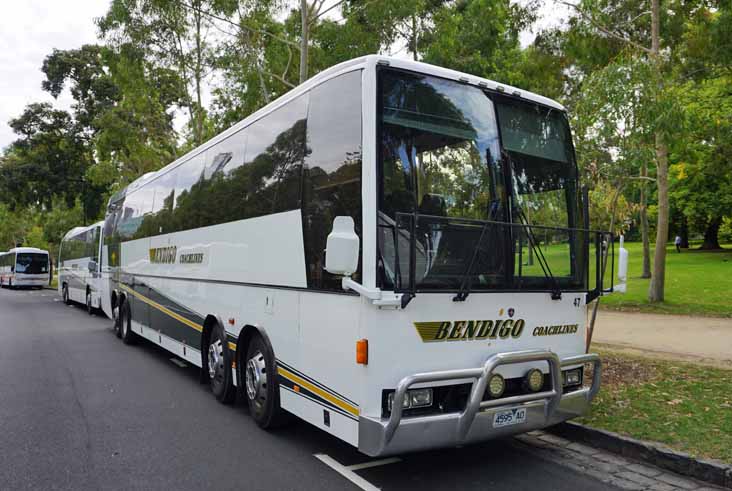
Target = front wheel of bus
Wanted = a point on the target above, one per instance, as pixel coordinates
(125, 328)
(261, 385)
(89, 307)
(218, 362)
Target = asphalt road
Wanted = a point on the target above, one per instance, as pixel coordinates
(80, 410)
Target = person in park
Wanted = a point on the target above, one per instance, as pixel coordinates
(677, 241)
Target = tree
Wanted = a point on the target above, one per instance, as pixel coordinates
(174, 35)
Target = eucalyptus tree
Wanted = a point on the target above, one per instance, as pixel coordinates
(174, 34)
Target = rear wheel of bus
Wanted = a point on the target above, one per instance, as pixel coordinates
(125, 327)
(218, 364)
(261, 387)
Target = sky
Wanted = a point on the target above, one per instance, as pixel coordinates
(31, 29)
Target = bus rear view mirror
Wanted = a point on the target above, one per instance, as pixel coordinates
(341, 249)
(92, 266)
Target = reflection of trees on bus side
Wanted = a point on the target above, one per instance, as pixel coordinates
(270, 183)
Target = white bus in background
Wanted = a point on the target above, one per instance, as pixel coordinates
(24, 267)
(397, 253)
(79, 278)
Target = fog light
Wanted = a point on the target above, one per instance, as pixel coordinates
(412, 399)
(496, 386)
(572, 377)
(535, 380)
(420, 397)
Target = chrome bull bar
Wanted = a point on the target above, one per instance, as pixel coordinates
(481, 377)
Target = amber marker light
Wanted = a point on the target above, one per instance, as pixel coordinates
(362, 351)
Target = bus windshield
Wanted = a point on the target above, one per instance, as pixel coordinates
(486, 184)
(31, 263)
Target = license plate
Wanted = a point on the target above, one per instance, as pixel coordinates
(509, 417)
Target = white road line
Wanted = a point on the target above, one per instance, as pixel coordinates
(346, 472)
(375, 463)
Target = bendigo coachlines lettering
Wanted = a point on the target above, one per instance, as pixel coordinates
(554, 330)
(165, 255)
(470, 330)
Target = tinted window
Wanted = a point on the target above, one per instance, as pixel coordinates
(31, 263)
(136, 206)
(332, 172)
(274, 155)
(160, 220)
(266, 181)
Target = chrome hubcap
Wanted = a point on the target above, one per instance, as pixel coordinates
(215, 358)
(256, 378)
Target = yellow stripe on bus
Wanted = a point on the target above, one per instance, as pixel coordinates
(165, 310)
(152, 303)
(317, 390)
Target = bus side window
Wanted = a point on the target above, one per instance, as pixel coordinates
(273, 159)
(332, 172)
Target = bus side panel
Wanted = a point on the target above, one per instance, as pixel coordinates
(330, 327)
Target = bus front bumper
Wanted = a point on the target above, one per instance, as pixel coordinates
(385, 436)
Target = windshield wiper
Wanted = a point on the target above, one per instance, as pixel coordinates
(556, 291)
(466, 282)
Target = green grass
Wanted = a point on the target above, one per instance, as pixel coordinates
(697, 283)
(687, 407)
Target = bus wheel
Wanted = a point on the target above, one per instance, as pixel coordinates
(125, 328)
(89, 308)
(65, 295)
(218, 362)
(261, 385)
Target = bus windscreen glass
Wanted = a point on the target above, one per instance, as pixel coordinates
(452, 157)
(31, 263)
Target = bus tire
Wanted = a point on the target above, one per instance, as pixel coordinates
(89, 307)
(261, 387)
(125, 327)
(65, 294)
(217, 365)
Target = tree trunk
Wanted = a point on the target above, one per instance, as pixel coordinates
(711, 235)
(199, 72)
(304, 40)
(656, 289)
(646, 273)
(414, 36)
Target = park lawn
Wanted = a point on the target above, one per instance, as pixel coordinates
(687, 407)
(697, 283)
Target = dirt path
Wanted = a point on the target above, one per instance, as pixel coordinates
(704, 339)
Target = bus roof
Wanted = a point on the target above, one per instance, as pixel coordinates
(78, 230)
(354, 64)
(27, 249)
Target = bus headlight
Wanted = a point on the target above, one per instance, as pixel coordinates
(572, 377)
(412, 399)
(535, 380)
(496, 386)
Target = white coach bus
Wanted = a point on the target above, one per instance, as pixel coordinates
(397, 253)
(24, 267)
(79, 268)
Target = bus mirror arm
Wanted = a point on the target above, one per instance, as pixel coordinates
(376, 295)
